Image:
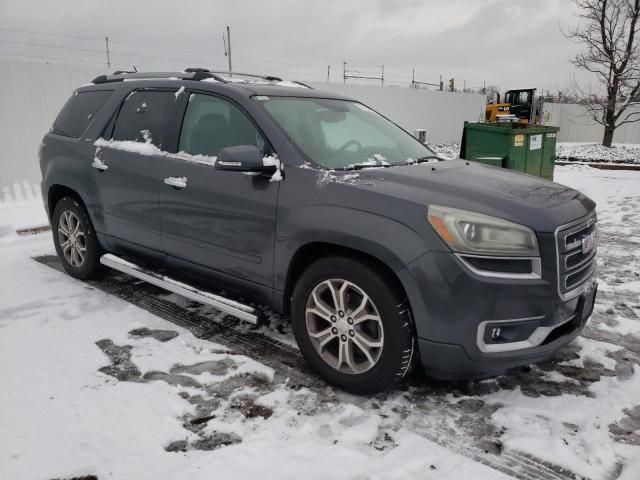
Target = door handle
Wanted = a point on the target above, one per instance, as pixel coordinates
(99, 165)
(176, 182)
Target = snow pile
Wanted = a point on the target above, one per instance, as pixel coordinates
(256, 81)
(142, 148)
(148, 148)
(568, 151)
(187, 157)
(594, 152)
(179, 92)
(20, 193)
(447, 150)
(273, 160)
(20, 208)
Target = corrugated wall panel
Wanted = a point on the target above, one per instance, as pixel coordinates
(577, 125)
(31, 95)
(442, 114)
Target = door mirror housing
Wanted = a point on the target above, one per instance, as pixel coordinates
(242, 158)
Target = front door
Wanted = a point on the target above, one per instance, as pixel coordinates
(221, 221)
(128, 169)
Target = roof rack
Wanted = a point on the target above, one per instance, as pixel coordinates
(187, 74)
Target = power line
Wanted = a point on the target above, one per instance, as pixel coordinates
(183, 60)
(152, 47)
(46, 57)
(50, 34)
(51, 46)
(155, 47)
(200, 57)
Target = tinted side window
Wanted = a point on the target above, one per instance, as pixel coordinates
(76, 114)
(144, 116)
(211, 124)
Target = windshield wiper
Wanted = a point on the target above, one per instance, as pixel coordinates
(428, 157)
(362, 166)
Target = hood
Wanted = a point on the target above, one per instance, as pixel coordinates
(525, 199)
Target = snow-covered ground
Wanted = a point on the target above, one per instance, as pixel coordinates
(92, 384)
(575, 152)
(594, 152)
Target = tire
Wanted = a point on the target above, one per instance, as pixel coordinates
(331, 338)
(70, 222)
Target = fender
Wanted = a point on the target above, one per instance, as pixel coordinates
(68, 166)
(369, 233)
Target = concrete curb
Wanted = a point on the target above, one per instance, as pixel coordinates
(603, 165)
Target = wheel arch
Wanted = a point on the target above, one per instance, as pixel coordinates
(308, 253)
(57, 192)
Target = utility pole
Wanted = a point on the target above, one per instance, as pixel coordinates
(106, 41)
(344, 72)
(328, 72)
(227, 48)
(413, 78)
(441, 84)
(382, 77)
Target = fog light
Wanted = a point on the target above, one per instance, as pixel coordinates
(504, 332)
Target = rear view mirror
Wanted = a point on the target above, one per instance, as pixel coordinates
(242, 158)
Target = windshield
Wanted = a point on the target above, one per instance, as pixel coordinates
(342, 134)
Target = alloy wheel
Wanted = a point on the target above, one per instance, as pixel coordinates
(344, 326)
(72, 239)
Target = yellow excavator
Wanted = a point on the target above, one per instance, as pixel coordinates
(520, 106)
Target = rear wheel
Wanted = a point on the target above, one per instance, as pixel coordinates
(75, 239)
(352, 325)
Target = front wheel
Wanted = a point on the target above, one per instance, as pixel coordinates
(353, 325)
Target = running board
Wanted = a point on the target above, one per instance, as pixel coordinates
(238, 310)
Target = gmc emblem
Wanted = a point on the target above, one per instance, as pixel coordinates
(587, 243)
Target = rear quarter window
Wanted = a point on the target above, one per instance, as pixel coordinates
(76, 114)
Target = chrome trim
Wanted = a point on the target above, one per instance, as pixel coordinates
(590, 218)
(536, 267)
(569, 274)
(578, 265)
(536, 338)
(589, 223)
(237, 309)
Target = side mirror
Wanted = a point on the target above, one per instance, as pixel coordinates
(242, 158)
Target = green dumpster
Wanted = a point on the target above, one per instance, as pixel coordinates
(525, 148)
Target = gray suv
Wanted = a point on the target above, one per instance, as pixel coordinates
(318, 207)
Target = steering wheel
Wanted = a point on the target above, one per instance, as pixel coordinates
(349, 143)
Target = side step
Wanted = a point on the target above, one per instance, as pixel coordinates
(238, 310)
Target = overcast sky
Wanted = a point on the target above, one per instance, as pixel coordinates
(509, 43)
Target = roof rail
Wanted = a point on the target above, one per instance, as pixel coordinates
(188, 74)
(240, 74)
(119, 76)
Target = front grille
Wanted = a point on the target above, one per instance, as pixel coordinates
(575, 266)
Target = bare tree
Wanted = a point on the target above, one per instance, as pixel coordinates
(610, 31)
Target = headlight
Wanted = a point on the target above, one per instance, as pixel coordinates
(476, 233)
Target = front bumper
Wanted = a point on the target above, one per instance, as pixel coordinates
(456, 311)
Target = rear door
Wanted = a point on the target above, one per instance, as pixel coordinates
(128, 169)
(221, 221)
